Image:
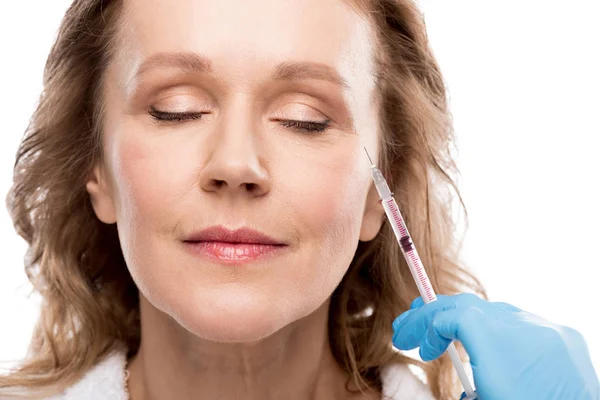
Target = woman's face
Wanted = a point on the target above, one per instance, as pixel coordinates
(239, 69)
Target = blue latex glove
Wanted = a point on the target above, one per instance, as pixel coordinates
(514, 354)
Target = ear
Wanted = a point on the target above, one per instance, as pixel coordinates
(373, 217)
(101, 196)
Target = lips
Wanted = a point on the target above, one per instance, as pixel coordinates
(224, 235)
(232, 246)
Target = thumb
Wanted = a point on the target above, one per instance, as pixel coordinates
(461, 324)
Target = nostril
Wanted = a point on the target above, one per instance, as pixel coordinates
(249, 187)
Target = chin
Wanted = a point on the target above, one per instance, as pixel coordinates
(230, 321)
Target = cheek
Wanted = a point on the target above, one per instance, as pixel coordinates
(150, 180)
(333, 210)
(329, 199)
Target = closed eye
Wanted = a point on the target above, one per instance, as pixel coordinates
(306, 126)
(303, 126)
(162, 116)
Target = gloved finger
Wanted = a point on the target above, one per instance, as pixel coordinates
(415, 304)
(463, 395)
(463, 324)
(398, 321)
(433, 345)
(418, 302)
(415, 322)
(410, 327)
(462, 299)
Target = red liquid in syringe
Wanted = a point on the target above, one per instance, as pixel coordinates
(408, 250)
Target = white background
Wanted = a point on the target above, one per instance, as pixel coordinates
(524, 86)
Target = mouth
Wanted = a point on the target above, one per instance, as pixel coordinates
(232, 246)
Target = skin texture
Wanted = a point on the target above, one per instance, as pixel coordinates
(258, 330)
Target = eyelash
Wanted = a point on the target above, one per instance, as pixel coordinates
(304, 126)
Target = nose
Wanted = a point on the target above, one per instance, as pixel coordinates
(235, 166)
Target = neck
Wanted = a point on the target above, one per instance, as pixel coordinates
(295, 363)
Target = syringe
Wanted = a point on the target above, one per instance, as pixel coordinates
(414, 263)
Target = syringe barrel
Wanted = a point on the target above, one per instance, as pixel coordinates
(408, 249)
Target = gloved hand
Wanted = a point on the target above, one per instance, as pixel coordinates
(514, 354)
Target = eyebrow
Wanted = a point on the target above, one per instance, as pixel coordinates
(288, 70)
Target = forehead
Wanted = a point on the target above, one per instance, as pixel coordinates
(246, 39)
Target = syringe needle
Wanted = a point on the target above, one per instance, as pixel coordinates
(371, 161)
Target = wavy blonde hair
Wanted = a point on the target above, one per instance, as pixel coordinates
(90, 302)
